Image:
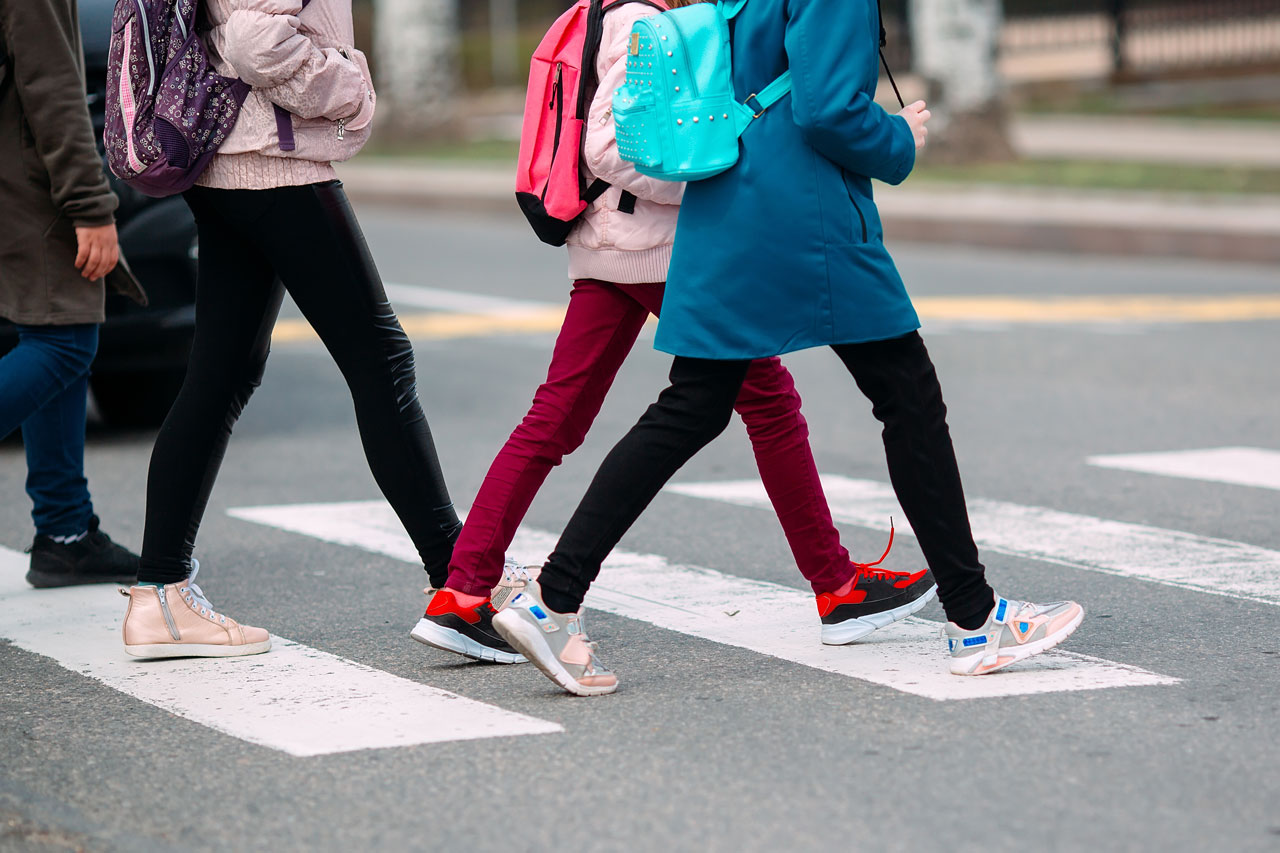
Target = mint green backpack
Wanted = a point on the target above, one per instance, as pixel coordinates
(676, 115)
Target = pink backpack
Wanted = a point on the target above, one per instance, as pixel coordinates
(550, 189)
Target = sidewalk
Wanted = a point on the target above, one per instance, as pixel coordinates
(1148, 140)
(1228, 228)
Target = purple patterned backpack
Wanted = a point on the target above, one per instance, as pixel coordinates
(167, 110)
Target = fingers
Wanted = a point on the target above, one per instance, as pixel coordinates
(98, 251)
(925, 115)
(113, 259)
(93, 262)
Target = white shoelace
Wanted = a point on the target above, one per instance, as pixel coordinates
(198, 598)
(514, 573)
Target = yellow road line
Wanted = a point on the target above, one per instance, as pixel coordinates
(970, 309)
(1101, 309)
(439, 326)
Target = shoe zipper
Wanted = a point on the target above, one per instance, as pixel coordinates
(168, 617)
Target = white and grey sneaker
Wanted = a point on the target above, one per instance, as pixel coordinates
(515, 577)
(1014, 631)
(555, 642)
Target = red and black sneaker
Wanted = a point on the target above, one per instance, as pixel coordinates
(872, 599)
(467, 631)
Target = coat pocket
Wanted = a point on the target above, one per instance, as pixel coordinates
(859, 218)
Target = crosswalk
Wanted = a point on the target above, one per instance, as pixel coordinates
(1171, 557)
(1238, 466)
(306, 702)
(763, 617)
(295, 699)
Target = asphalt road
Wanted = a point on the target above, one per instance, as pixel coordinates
(708, 745)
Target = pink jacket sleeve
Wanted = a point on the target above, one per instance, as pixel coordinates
(601, 145)
(266, 50)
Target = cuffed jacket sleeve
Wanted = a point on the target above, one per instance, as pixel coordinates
(827, 44)
(43, 40)
(601, 145)
(263, 45)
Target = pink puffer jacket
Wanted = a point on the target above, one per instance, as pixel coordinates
(627, 248)
(303, 60)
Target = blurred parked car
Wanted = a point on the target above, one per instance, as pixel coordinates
(142, 355)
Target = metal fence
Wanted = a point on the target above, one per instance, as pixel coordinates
(1081, 38)
(1045, 40)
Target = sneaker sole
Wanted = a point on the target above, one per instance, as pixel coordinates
(446, 639)
(196, 650)
(852, 630)
(40, 580)
(1019, 653)
(528, 639)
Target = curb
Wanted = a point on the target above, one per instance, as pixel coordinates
(1215, 228)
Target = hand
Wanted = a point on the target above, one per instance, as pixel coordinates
(99, 251)
(916, 115)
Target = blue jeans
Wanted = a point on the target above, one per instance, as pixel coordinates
(44, 387)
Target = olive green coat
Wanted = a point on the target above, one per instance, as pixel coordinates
(51, 177)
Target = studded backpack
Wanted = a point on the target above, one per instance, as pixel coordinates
(677, 115)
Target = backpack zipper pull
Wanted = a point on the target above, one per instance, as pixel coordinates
(556, 86)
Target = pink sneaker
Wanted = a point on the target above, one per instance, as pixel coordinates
(176, 621)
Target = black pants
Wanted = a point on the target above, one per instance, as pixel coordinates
(254, 245)
(899, 379)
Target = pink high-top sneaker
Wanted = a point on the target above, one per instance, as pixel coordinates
(176, 620)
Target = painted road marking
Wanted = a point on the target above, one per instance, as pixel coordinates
(1239, 466)
(768, 618)
(294, 698)
(459, 301)
(1106, 309)
(1171, 557)
(469, 315)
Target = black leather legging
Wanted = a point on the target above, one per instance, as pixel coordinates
(896, 375)
(255, 245)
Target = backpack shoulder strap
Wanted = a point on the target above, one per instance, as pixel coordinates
(284, 120)
(591, 48)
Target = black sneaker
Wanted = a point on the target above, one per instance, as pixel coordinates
(877, 598)
(467, 631)
(93, 559)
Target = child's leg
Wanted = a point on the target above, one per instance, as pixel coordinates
(315, 245)
(600, 328)
(899, 379)
(770, 408)
(692, 411)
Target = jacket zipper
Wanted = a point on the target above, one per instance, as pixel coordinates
(557, 97)
(342, 128)
(146, 45)
(168, 617)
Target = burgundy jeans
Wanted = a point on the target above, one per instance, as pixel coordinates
(600, 327)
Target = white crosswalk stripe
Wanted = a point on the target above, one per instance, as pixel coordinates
(764, 617)
(1239, 466)
(1172, 557)
(295, 699)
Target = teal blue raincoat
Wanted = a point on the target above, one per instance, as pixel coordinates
(785, 251)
